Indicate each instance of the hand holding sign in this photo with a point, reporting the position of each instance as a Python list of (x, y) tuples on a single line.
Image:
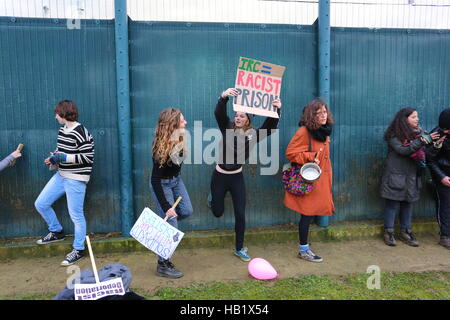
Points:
[(171, 212), (17, 153), (276, 103), (230, 92)]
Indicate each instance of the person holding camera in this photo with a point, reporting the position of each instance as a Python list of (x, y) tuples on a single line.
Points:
[(438, 160), (401, 180)]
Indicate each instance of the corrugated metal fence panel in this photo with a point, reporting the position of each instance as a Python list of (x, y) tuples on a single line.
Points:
[(187, 65), (41, 63), (375, 73)]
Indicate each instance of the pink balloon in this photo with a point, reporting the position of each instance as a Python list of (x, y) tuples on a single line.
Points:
[(260, 269)]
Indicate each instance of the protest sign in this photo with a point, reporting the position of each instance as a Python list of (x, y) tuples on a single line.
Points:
[(94, 291), (258, 84), (156, 234), (97, 290)]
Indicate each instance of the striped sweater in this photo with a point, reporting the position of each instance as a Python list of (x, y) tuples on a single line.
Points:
[(78, 144)]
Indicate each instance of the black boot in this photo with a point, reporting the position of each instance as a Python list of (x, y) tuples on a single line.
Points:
[(389, 238), (445, 242), (408, 237), (167, 269)]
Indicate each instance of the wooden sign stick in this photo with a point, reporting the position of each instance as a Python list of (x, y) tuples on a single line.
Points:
[(173, 207), (91, 255), (19, 148)]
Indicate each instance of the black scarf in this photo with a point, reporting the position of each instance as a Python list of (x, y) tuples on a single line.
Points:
[(322, 133)]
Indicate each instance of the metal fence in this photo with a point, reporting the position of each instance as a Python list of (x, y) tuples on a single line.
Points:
[(423, 14), (384, 55)]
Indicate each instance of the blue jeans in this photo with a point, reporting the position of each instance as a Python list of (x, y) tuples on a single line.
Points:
[(75, 192), (390, 211), (174, 188)]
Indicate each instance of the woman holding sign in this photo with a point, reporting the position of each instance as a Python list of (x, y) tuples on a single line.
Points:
[(311, 143), (238, 138), (166, 184)]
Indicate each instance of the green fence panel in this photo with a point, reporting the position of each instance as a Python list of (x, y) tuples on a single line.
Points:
[(41, 63)]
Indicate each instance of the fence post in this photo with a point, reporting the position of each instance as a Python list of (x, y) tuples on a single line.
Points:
[(124, 115), (324, 62)]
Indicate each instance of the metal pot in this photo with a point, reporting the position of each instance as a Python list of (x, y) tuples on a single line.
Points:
[(310, 171)]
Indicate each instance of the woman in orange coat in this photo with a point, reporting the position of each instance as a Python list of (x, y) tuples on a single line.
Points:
[(316, 124)]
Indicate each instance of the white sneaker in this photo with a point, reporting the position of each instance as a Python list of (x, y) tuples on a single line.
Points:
[(74, 256)]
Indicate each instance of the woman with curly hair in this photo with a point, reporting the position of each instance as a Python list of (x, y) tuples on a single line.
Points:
[(311, 143), (401, 180), (165, 183)]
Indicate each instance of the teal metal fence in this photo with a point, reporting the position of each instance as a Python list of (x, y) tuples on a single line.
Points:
[(187, 65), (43, 62)]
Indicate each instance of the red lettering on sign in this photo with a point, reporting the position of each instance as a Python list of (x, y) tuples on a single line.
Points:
[(240, 81)]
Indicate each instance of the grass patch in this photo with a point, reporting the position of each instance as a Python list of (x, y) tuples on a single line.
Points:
[(394, 286), (398, 286)]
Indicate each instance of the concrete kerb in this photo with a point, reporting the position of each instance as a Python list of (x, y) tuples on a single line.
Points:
[(210, 239)]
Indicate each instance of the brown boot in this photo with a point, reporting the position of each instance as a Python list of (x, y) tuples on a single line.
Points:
[(408, 237), (445, 242), (389, 238)]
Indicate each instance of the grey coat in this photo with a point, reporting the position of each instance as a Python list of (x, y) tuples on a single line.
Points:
[(401, 180), (6, 162)]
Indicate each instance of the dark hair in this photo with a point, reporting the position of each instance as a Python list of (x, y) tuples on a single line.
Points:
[(309, 118), (67, 109), (399, 127)]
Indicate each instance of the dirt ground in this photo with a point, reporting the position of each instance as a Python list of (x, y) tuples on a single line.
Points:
[(44, 275)]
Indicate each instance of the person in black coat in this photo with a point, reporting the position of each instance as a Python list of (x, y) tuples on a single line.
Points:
[(401, 181), (438, 160)]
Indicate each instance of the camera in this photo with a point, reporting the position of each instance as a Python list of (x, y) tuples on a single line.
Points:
[(426, 136)]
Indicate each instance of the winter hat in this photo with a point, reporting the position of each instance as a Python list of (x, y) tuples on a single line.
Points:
[(444, 119)]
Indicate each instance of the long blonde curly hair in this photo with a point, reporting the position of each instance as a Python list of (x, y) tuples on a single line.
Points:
[(166, 137)]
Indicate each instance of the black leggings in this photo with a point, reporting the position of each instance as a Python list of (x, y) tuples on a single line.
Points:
[(303, 228), (220, 185)]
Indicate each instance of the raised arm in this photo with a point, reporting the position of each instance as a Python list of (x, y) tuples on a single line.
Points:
[(270, 123), (221, 108)]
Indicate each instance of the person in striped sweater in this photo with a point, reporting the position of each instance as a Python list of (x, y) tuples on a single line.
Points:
[(73, 157)]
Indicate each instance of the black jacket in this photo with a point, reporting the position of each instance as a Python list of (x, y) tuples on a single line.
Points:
[(438, 159), (235, 147)]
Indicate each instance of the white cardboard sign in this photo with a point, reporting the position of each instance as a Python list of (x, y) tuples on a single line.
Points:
[(94, 291), (156, 234)]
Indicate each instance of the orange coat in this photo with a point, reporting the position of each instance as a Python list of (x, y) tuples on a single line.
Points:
[(319, 202)]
